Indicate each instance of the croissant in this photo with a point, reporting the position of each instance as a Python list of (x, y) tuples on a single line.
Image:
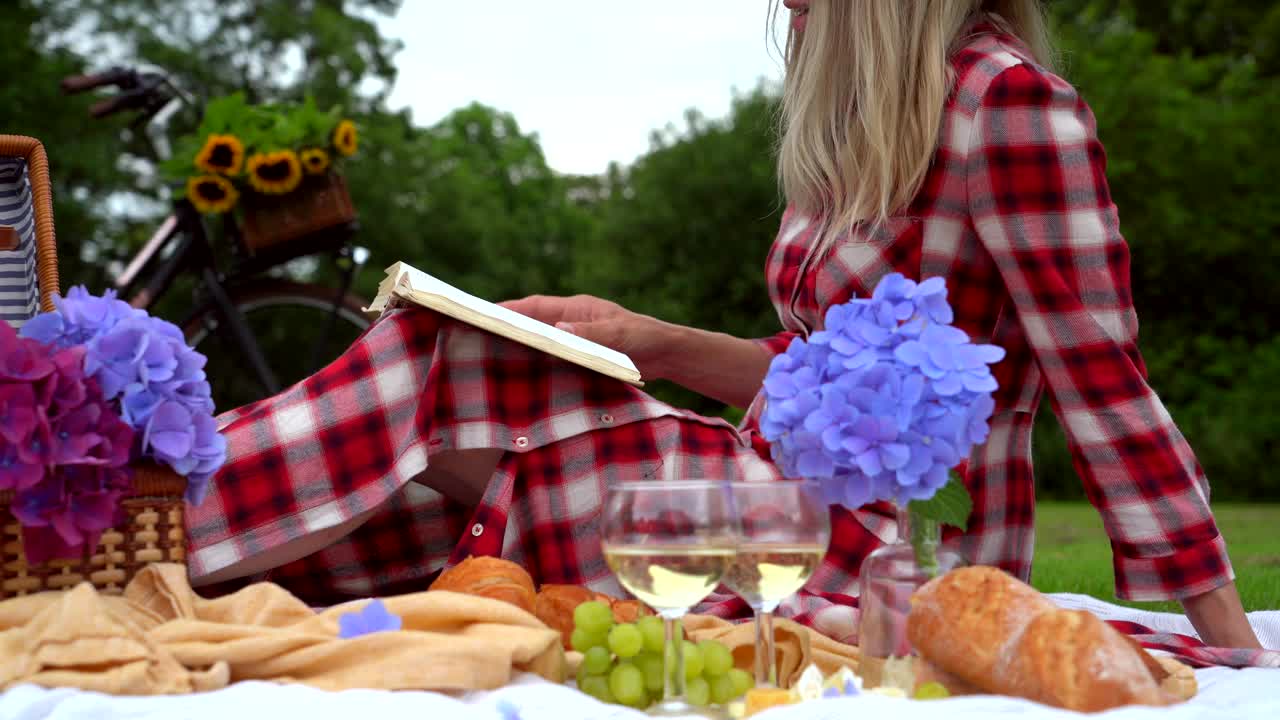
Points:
[(489, 577), (555, 604), (999, 635), (628, 611)]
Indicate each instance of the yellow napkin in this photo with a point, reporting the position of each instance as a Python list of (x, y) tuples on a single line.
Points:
[(795, 646), (160, 637)]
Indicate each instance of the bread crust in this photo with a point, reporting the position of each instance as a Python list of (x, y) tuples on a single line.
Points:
[(1072, 660), (489, 577), (963, 620), (554, 606), (999, 635)]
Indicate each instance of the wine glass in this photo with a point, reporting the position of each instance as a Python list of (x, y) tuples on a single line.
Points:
[(670, 543), (785, 530)]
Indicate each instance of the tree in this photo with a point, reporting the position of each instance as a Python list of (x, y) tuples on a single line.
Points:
[(684, 232), (1242, 29), (470, 199), (83, 163), (269, 49)]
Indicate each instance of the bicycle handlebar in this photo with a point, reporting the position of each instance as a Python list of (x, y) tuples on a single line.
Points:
[(139, 91), (119, 76), (124, 101)]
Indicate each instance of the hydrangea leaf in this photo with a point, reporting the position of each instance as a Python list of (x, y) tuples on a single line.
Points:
[(951, 505)]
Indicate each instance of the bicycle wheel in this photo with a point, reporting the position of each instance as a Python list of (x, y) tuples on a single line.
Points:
[(289, 321)]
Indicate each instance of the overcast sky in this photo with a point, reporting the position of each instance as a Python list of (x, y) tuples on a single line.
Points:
[(591, 77)]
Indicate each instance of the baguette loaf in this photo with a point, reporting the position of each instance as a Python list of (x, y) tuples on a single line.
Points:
[(963, 620), (1001, 636), (1072, 660)]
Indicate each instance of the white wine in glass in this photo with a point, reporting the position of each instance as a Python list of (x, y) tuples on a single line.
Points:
[(669, 576), (670, 544), (765, 574), (785, 531)]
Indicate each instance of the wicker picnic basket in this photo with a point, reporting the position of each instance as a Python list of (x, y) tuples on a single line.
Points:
[(152, 528)]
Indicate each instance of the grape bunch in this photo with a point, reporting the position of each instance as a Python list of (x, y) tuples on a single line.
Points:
[(622, 663)]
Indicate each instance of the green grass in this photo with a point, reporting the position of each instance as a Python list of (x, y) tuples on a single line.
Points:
[(1073, 555)]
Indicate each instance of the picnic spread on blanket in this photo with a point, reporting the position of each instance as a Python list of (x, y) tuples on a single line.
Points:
[(487, 626)]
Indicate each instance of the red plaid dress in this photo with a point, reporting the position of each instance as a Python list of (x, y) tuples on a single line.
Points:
[(1015, 213)]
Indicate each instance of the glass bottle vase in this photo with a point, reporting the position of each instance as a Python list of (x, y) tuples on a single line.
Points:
[(887, 579)]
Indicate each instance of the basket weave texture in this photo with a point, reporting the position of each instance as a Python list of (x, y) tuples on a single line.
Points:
[(153, 529), (320, 203), (152, 532)]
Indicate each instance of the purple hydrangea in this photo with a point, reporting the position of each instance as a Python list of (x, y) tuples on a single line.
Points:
[(69, 510), (145, 367), (187, 441), (63, 449), (884, 400), (80, 317)]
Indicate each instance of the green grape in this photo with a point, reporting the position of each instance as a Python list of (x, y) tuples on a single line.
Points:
[(597, 686), (742, 681), (692, 661), (582, 640), (716, 658), (626, 682), (593, 616), (625, 640), (596, 661), (932, 691), (655, 635), (697, 692), (644, 701), (651, 666), (722, 689)]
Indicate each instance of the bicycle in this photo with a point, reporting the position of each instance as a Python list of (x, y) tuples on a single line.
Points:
[(243, 317)]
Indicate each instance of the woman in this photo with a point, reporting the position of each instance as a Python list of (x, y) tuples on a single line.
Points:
[(921, 137)]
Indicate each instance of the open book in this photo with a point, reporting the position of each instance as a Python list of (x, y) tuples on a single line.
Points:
[(409, 284)]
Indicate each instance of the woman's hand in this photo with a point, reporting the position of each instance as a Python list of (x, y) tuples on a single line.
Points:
[(642, 338), (720, 366)]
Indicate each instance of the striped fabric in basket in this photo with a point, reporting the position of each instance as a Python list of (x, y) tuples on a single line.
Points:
[(19, 289)]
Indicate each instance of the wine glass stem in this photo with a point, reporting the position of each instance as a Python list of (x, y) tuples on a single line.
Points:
[(673, 662), (766, 659)]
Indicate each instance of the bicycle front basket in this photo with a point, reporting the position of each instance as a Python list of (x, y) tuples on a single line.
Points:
[(318, 204)]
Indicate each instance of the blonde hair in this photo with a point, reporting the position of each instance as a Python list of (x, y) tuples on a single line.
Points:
[(866, 82)]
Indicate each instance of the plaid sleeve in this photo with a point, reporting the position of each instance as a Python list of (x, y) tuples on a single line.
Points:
[(776, 344), (1039, 201)]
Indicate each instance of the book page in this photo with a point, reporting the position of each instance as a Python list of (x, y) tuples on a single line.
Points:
[(419, 281)]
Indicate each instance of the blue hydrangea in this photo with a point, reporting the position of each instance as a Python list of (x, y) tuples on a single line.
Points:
[(374, 617), (884, 400), (144, 365), (79, 318)]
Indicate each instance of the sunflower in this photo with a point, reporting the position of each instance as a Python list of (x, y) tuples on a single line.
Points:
[(212, 193), (345, 138), (221, 154), (314, 160), (274, 173)]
